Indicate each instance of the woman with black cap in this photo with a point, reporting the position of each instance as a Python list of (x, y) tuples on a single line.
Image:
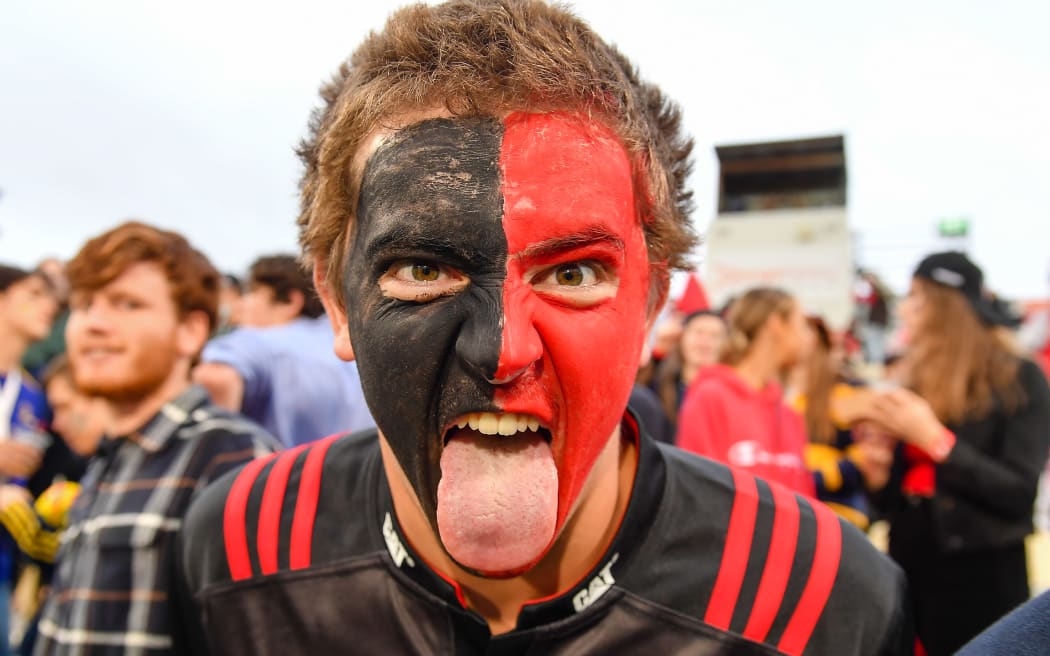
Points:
[(974, 424)]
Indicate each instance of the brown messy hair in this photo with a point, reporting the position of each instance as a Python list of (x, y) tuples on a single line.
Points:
[(483, 57), (283, 274), (958, 364), (194, 281)]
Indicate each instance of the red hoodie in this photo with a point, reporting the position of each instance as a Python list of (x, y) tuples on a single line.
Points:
[(724, 419)]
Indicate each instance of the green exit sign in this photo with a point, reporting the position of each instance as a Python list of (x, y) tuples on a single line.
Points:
[(953, 227)]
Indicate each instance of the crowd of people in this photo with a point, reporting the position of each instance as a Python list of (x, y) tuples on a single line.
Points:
[(459, 423), (947, 444)]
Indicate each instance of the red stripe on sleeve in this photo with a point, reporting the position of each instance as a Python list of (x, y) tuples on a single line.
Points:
[(778, 564), (821, 580), (306, 504), (270, 510), (735, 552), (234, 527)]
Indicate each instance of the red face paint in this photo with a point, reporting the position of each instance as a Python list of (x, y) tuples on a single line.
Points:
[(568, 197)]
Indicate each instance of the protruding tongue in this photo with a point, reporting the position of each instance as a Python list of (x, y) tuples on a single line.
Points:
[(497, 500)]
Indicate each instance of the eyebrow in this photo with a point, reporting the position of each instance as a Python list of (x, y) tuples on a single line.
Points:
[(587, 237), (404, 239)]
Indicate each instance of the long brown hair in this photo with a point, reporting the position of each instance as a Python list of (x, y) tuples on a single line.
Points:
[(746, 317), (668, 374), (821, 376), (958, 364)]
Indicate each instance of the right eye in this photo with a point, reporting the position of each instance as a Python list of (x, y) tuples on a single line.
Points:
[(421, 281), (420, 272)]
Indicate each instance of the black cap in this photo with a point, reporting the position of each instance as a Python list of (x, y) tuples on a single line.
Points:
[(953, 269)]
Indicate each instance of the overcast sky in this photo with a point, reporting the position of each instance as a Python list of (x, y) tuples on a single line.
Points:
[(186, 114)]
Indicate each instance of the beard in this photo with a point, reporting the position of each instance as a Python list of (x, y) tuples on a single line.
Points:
[(148, 371)]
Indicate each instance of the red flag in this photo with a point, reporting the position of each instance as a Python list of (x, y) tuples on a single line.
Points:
[(694, 297)]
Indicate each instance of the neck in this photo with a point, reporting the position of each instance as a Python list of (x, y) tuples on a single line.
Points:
[(12, 347), (584, 539), (759, 367), (689, 372), (130, 414), (796, 381)]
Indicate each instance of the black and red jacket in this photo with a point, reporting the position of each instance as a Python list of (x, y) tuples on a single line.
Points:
[(301, 553)]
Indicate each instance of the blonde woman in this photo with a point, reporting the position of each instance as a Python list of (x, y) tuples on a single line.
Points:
[(734, 412), (974, 422)]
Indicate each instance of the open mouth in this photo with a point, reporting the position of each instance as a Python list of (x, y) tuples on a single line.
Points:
[(502, 424), (497, 496)]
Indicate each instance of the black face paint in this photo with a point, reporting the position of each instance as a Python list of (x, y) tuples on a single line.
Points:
[(429, 194)]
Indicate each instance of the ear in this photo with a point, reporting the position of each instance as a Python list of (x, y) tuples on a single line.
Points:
[(294, 304), (336, 313), (191, 334), (775, 325)]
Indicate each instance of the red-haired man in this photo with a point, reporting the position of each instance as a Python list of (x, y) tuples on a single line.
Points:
[(143, 303)]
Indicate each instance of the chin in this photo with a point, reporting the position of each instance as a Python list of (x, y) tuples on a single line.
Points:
[(111, 389)]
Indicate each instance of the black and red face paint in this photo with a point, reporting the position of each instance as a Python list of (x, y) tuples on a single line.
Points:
[(498, 279)]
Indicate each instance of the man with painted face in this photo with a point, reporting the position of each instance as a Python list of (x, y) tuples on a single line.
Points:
[(492, 202)]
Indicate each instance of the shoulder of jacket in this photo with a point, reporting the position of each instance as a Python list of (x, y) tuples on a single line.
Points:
[(778, 568)]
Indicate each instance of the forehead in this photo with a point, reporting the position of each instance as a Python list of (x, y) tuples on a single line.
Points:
[(541, 175), (564, 174), (438, 168), (32, 282), (705, 322), (138, 279)]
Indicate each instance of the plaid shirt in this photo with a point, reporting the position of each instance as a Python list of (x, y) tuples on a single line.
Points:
[(111, 592)]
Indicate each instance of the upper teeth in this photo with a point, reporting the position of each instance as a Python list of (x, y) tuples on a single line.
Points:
[(491, 423)]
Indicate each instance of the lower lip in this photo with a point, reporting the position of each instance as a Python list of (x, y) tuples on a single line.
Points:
[(98, 356)]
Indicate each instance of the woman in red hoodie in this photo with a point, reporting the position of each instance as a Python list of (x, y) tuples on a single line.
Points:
[(734, 412)]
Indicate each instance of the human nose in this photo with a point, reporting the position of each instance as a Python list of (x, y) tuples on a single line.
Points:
[(521, 345), (93, 316), (500, 342), (478, 342)]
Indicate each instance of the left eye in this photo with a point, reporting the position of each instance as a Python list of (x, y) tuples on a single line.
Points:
[(574, 274)]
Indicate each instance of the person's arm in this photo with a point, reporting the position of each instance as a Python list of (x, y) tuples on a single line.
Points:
[(223, 382), (1005, 484), (1008, 483), (235, 368), (1023, 632), (19, 459)]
